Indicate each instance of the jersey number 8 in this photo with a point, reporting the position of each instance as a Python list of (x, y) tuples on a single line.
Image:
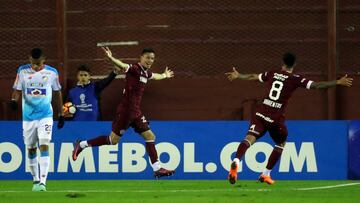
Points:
[(275, 90)]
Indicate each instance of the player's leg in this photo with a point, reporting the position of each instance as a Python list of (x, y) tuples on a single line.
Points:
[(101, 140), (141, 126), (279, 135), (256, 130), (30, 140), (45, 134), (119, 126)]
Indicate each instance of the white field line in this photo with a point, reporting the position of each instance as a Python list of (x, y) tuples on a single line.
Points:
[(328, 187), (143, 191), (175, 191)]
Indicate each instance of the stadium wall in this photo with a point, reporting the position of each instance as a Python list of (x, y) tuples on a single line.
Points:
[(200, 40), (197, 150)]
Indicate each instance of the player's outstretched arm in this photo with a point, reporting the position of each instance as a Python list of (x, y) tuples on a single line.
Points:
[(344, 81), (236, 75), (123, 66), (166, 74)]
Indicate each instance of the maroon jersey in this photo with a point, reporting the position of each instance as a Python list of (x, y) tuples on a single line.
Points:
[(136, 79), (280, 85)]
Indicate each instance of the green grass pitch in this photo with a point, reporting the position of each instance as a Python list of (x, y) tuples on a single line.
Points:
[(184, 191)]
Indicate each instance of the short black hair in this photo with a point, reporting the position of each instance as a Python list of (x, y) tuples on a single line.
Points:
[(147, 50), (36, 53), (289, 59), (83, 68)]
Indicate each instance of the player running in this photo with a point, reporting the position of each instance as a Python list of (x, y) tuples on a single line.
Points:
[(128, 112), (269, 116), (36, 81)]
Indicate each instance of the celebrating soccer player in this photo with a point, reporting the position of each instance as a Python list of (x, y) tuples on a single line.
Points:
[(269, 116), (35, 81), (128, 111)]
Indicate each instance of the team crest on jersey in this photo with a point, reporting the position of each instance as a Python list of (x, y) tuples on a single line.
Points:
[(45, 78)]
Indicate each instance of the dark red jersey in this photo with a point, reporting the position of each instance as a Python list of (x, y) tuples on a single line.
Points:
[(136, 79), (280, 85)]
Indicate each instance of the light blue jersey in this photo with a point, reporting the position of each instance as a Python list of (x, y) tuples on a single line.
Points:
[(37, 87)]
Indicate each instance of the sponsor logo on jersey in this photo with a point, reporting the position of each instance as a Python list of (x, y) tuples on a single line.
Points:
[(280, 76), (143, 79), (264, 117), (36, 92)]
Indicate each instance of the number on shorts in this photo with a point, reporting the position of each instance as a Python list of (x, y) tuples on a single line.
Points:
[(143, 119), (252, 127), (276, 90), (48, 128)]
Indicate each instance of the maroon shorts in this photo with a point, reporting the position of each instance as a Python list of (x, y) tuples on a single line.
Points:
[(123, 121), (260, 124)]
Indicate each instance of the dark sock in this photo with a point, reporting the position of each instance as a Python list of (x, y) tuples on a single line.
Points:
[(243, 146), (150, 148), (98, 141), (274, 157)]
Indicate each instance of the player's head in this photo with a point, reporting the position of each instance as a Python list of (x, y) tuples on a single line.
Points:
[(83, 74), (289, 60), (37, 58), (147, 57)]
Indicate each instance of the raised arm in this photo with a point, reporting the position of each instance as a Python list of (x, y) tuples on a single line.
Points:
[(236, 75), (344, 81), (102, 84), (123, 66), (166, 74)]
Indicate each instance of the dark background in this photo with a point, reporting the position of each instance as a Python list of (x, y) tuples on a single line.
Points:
[(200, 40)]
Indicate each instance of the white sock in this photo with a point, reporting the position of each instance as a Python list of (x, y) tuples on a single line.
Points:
[(84, 144), (44, 168), (237, 161), (34, 168), (156, 166), (266, 172)]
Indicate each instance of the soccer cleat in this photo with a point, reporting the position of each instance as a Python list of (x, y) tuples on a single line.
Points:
[(163, 172), (232, 177), (267, 179), (77, 150), (42, 187), (35, 187)]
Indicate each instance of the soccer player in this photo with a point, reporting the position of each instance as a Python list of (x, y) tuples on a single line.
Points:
[(36, 81), (269, 116), (128, 112)]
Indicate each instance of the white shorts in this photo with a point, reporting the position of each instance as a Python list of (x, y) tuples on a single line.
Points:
[(38, 131)]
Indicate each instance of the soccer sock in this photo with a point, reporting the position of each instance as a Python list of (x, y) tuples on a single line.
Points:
[(266, 172), (274, 157), (237, 161), (151, 150), (243, 146), (44, 166), (34, 166), (84, 144), (156, 166), (98, 141)]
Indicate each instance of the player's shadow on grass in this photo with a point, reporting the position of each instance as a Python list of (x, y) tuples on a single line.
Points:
[(75, 195)]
